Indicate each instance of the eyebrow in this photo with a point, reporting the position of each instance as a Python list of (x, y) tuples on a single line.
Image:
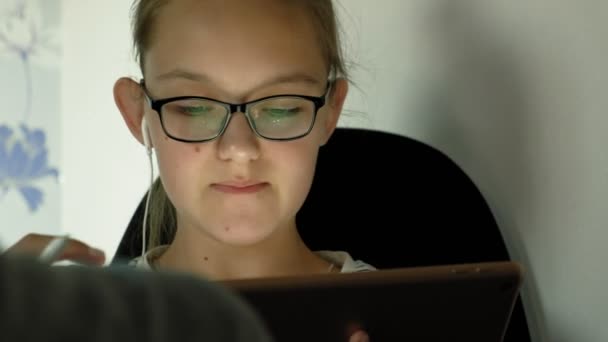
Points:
[(296, 77)]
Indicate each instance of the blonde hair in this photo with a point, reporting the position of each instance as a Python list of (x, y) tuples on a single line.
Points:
[(163, 220)]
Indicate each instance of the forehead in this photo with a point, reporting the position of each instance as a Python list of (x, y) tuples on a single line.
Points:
[(235, 40)]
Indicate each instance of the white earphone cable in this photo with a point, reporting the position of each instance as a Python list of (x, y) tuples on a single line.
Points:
[(148, 195)]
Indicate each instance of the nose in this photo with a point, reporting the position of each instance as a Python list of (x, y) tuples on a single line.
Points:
[(238, 142)]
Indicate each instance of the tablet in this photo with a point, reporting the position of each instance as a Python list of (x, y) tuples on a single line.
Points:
[(466, 302)]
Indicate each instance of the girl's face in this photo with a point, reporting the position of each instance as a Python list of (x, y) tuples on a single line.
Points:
[(239, 188)]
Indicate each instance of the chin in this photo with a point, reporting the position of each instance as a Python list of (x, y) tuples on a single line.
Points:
[(243, 235)]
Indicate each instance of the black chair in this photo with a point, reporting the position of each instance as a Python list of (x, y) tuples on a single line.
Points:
[(393, 202)]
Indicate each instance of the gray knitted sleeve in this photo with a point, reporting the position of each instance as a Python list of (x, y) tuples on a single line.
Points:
[(72, 303)]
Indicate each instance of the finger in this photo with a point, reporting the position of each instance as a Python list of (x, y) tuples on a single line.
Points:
[(75, 250), (352, 328), (359, 336), (78, 251), (32, 244)]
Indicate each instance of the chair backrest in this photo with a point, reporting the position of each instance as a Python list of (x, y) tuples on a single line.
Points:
[(391, 201)]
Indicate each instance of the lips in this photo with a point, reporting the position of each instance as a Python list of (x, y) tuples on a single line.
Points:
[(239, 187)]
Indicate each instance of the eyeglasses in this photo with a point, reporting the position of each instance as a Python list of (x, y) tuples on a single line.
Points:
[(194, 119)]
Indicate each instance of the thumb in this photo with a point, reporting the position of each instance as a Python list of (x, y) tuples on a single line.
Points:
[(359, 336)]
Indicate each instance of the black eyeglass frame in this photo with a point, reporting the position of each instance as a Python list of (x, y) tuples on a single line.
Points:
[(231, 108)]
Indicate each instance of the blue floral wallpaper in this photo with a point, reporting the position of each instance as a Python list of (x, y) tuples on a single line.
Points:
[(29, 117)]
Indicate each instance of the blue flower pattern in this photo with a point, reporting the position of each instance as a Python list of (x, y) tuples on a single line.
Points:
[(23, 161), (23, 151)]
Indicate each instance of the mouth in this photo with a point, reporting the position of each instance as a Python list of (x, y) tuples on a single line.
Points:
[(239, 188)]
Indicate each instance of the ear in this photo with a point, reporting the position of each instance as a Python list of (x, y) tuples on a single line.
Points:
[(129, 99), (337, 96)]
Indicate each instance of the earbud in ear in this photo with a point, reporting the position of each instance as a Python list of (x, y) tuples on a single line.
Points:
[(146, 135)]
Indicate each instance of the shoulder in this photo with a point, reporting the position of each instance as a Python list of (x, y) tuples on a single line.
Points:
[(345, 261)]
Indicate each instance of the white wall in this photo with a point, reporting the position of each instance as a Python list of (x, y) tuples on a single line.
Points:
[(105, 170), (514, 91)]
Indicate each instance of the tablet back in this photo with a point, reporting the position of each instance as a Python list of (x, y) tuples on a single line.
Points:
[(471, 302)]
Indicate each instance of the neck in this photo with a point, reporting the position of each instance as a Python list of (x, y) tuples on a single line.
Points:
[(283, 253)]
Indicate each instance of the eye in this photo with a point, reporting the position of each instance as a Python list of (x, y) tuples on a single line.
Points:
[(194, 110), (276, 112)]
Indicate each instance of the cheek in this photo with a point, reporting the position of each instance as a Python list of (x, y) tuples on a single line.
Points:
[(178, 164), (324, 126), (297, 165), (324, 119)]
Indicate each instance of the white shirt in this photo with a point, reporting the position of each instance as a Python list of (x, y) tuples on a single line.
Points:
[(339, 258)]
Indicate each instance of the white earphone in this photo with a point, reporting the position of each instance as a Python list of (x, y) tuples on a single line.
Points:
[(146, 136)]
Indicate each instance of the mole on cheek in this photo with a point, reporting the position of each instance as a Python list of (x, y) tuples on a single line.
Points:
[(197, 149), (227, 228), (206, 259)]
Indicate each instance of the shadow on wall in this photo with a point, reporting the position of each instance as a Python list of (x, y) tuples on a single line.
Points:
[(481, 115)]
